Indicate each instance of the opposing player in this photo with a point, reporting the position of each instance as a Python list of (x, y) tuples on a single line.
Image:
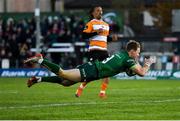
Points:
[(96, 31), (117, 63)]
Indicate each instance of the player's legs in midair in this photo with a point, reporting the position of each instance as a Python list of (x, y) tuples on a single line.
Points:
[(72, 75)]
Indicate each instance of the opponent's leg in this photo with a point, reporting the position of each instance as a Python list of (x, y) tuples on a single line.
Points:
[(104, 85), (80, 89)]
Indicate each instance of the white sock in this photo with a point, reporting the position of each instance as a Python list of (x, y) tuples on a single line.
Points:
[(103, 92), (40, 60), (39, 79)]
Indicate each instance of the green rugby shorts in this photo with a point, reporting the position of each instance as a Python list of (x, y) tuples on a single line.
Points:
[(88, 72)]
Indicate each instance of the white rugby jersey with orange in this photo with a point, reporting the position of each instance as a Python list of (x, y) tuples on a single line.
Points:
[(99, 41)]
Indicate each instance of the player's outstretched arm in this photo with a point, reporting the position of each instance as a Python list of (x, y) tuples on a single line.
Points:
[(142, 70)]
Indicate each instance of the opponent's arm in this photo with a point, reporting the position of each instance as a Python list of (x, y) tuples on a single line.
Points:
[(88, 35), (88, 31)]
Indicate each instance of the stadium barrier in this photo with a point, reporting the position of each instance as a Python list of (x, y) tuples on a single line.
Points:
[(152, 74), (62, 47)]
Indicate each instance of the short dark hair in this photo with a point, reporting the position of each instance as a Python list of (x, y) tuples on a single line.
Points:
[(132, 45)]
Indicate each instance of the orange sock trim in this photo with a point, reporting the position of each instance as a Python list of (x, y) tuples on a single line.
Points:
[(103, 86)]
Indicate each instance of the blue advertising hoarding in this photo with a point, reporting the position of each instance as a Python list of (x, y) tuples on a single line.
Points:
[(152, 74), (24, 72)]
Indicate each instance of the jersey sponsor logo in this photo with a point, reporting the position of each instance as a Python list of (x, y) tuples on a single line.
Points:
[(104, 27)]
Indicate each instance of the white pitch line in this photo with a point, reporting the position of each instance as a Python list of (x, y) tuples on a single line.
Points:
[(89, 103), (168, 100), (53, 105), (8, 92)]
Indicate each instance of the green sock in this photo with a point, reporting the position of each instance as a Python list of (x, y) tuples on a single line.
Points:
[(57, 79), (52, 79), (51, 66)]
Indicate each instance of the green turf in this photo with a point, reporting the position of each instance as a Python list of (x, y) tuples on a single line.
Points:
[(128, 99)]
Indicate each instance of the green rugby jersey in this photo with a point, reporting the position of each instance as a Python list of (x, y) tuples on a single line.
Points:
[(115, 64)]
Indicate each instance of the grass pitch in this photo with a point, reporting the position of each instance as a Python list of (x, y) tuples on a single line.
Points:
[(127, 100)]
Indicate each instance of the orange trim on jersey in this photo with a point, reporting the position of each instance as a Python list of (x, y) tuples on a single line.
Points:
[(98, 43)]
